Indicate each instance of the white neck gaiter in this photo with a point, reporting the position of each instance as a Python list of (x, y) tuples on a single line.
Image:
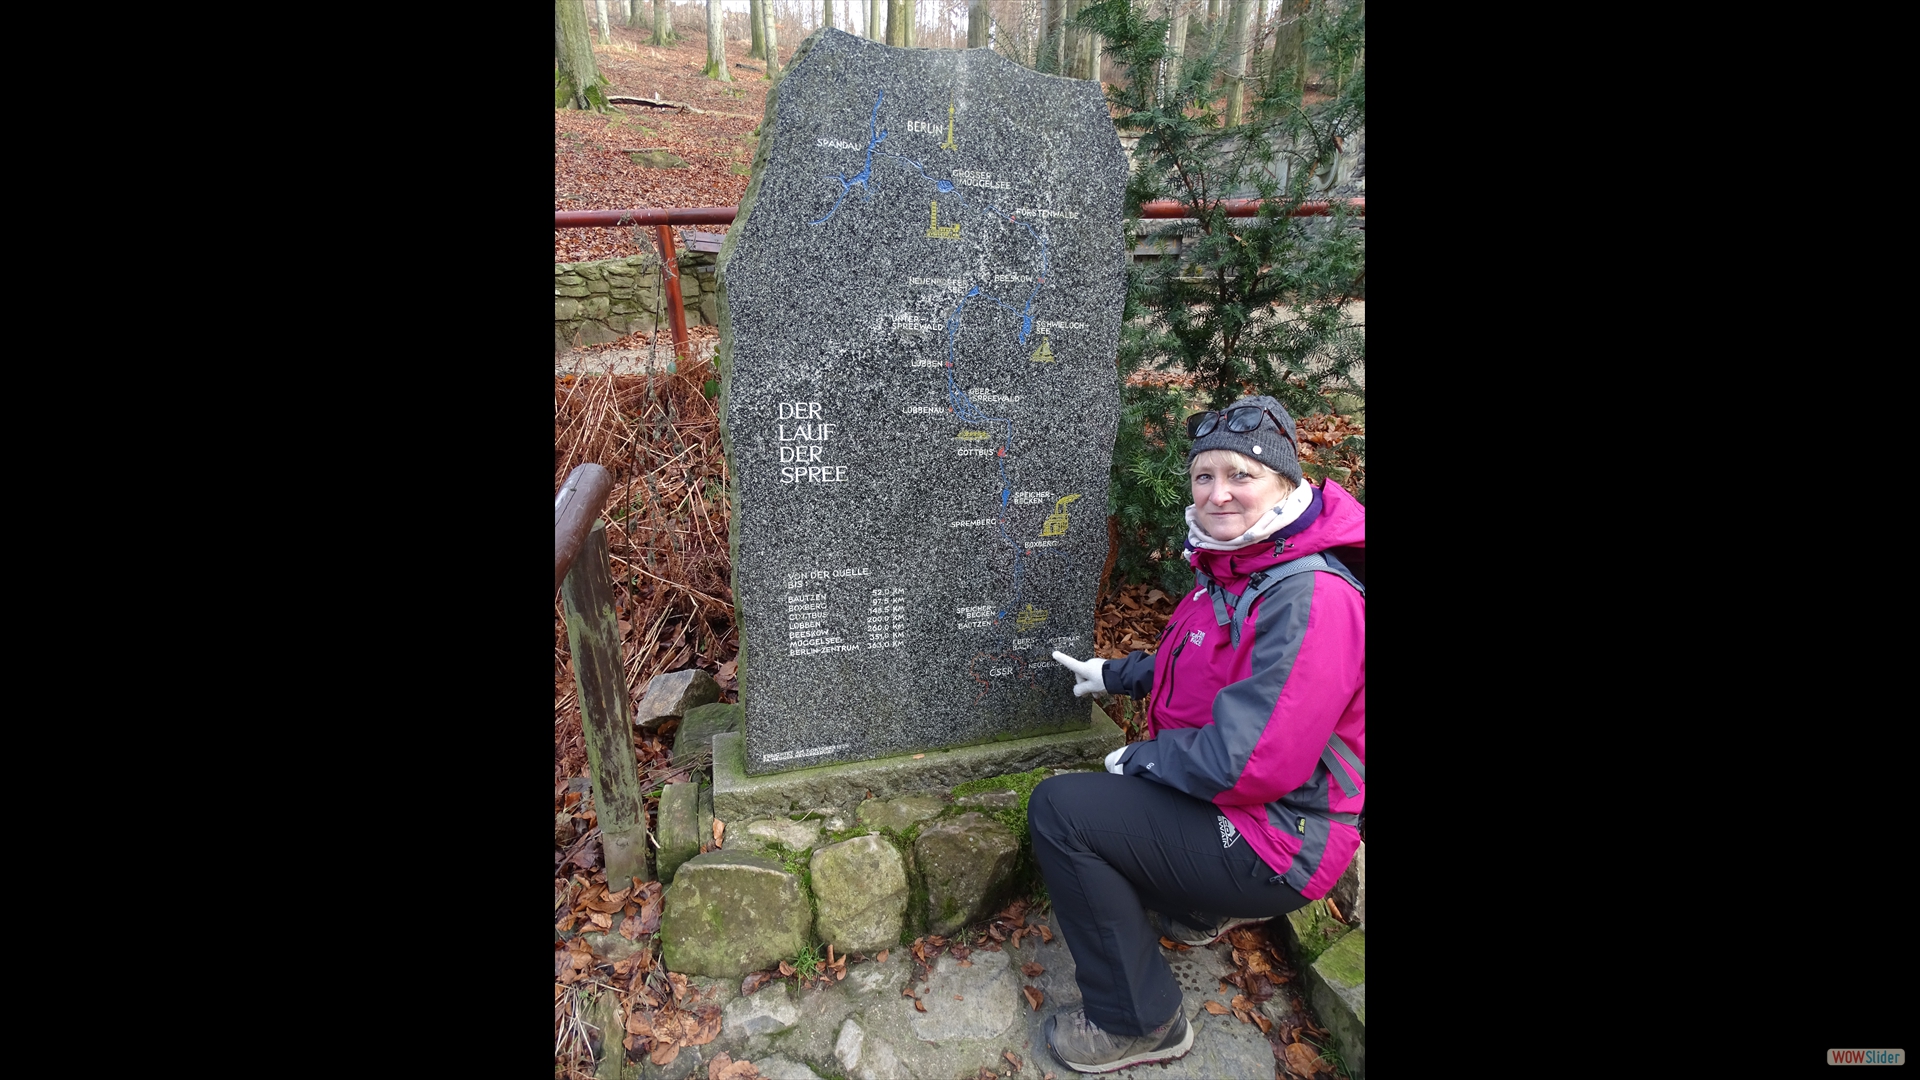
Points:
[(1271, 522)]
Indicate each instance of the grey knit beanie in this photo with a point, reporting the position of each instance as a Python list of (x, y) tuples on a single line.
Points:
[(1274, 449)]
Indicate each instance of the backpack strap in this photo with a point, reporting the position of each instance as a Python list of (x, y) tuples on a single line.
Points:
[(1261, 582), (1337, 751)]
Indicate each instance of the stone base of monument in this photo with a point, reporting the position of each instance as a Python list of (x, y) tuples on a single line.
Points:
[(839, 789)]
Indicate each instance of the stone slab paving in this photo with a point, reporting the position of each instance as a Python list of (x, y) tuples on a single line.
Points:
[(865, 1028)]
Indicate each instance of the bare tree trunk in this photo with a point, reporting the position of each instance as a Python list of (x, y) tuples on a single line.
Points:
[(577, 83), (633, 14), (1052, 35), (1256, 66), (759, 32), (1290, 45), (606, 33), (1093, 43), (773, 39), (1239, 23), (977, 20), (1176, 47), (1070, 49), (913, 23), (716, 44), (662, 24), (826, 12), (896, 21)]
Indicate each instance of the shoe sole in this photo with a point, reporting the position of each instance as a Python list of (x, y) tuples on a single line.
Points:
[(1232, 924), (1166, 1053)]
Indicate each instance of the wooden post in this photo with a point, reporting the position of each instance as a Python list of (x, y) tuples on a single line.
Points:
[(606, 716)]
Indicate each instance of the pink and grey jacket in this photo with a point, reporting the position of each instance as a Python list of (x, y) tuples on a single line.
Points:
[(1247, 726)]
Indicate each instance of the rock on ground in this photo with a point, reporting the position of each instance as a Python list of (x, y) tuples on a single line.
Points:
[(966, 861), (729, 913), (860, 890), (671, 694)]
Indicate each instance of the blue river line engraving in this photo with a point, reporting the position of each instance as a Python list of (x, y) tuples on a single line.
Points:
[(964, 407)]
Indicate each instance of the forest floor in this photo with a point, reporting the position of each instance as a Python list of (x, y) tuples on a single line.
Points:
[(657, 435)]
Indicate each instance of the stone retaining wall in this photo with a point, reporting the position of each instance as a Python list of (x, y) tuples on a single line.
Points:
[(598, 302), (863, 883)]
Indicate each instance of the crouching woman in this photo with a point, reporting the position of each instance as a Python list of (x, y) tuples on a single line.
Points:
[(1244, 801)]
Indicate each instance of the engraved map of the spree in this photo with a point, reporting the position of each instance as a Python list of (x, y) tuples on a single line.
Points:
[(922, 302)]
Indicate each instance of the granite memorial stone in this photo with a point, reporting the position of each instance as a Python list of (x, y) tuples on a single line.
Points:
[(922, 302)]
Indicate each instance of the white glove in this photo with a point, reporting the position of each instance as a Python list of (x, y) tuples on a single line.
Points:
[(1113, 759), (1091, 674)]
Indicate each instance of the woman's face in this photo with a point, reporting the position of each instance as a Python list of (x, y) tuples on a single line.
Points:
[(1227, 501)]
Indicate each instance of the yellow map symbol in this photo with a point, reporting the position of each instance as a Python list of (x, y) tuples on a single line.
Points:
[(1029, 617), (949, 144), (939, 231), (1043, 354), (1056, 522)]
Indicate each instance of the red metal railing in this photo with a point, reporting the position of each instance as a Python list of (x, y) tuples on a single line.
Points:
[(662, 217)]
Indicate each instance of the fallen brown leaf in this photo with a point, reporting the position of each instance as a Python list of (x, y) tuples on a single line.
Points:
[(1303, 1060), (1031, 970), (786, 968), (719, 830), (1266, 1025), (706, 1026), (1046, 934), (754, 981), (1169, 943), (1034, 996), (882, 958), (1011, 1060), (1214, 1007), (653, 897), (919, 1006)]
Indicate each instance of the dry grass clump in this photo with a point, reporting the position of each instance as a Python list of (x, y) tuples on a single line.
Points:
[(658, 437)]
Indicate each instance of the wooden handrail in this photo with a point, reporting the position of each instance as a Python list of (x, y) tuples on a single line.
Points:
[(574, 511)]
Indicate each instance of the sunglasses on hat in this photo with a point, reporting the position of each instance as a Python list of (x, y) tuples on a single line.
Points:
[(1240, 420)]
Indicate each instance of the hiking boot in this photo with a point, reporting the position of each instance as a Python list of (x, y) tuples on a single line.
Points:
[(1193, 928), (1081, 1046)]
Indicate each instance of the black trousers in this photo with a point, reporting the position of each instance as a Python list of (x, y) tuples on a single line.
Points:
[(1111, 846)]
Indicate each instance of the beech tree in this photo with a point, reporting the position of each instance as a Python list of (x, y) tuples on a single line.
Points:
[(716, 44), (977, 24), (1239, 23), (874, 31), (576, 80), (826, 12), (662, 24), (773, 40), (756, 30), (606, 28)]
